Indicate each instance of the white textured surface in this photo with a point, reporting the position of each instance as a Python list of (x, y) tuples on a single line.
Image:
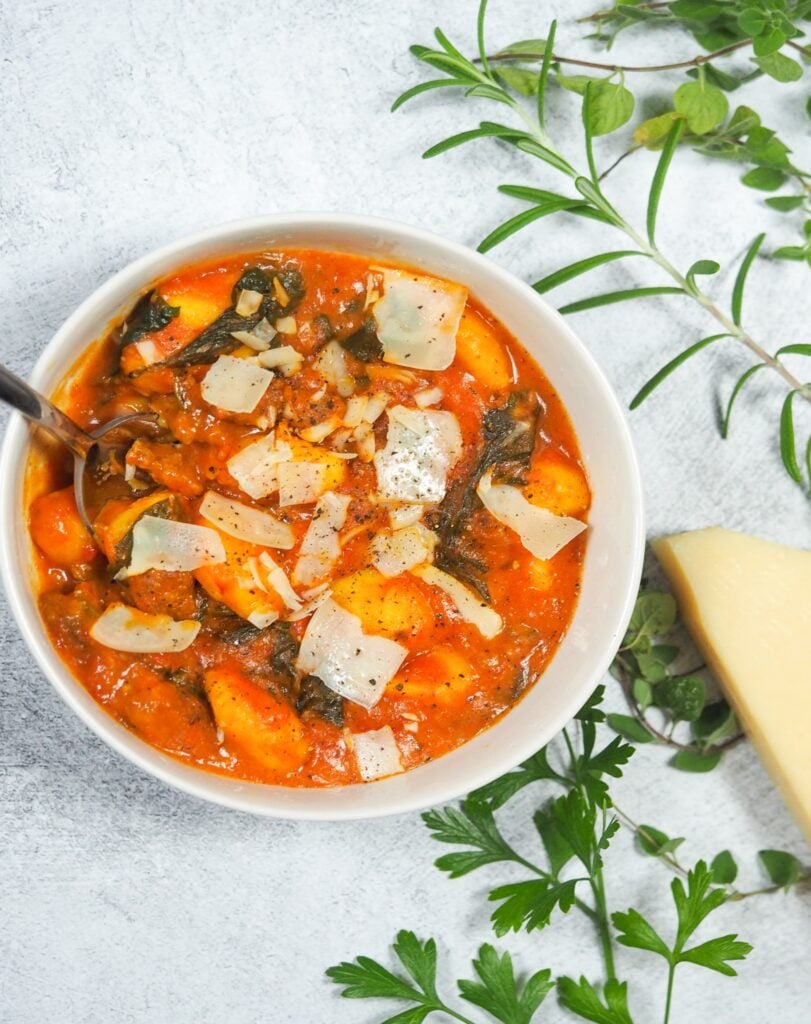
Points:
[(127, 126)]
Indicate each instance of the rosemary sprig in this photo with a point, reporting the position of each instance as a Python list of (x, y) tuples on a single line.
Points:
[(606, 105)]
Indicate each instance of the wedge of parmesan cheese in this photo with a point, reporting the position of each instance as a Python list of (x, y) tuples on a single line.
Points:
[(354, 664), (128, 629), (417, 319), (421, 449), (235, 385), (468, 603), (172, 547), (246, 523), (396, 551), (747, 603), (376, 753), (541, 531), (321, 546)]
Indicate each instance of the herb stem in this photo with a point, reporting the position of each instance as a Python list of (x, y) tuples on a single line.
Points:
[(671, 971), (694, 62), (602, 921)]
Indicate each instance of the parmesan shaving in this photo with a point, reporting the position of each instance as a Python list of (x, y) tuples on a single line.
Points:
[(246, 523), (236, 385), (248, 302), (352, 663), (469, 605), (255, 468), (541, 531), (397, 552), (172, 547), (319, 431), (417, 319), (421, 449), (321, 547), (301, 482), (283, 357), (122, 628), (376, 753), (277, 578)]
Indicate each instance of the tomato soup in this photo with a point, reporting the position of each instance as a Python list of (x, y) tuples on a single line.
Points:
[(350, 539)]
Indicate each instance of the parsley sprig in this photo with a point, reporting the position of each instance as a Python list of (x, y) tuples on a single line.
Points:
[(575, 824), (699, 109)]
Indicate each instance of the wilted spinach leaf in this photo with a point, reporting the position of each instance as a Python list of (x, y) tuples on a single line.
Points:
[(285, 650), (509, 440), (150, 313), (315, 698), (364, 344)]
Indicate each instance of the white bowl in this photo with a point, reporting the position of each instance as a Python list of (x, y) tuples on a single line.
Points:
[(613, 555)]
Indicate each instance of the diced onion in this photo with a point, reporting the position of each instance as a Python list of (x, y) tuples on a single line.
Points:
[(469, 605), (122, 628), (248, 302), (259, 338), (281, 357), (281, 293), (236, 385), (301, 482), (376, 753), (431, 396), (352, 663), (318, 431), (148, 351), (331, 363), (542, 532), (246, 523), (375, 407), (286, 325), (354, 410), (172, 547), (321, 546), (405, 515), (262, 619)]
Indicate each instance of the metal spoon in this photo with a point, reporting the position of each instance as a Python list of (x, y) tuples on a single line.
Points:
[(91, 449)]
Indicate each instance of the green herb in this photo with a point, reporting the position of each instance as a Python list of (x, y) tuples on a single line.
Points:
[(150, 313), (565, 874), (698, 115), (661, 697)]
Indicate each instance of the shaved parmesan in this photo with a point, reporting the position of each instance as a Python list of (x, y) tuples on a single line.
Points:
[(128, 629), (301, 482), (262, 619), (248, 302), (148, 351), (277, 578), (350, 662), (246, 523), (311, 605), (405, 515), (255, 467), (417, 319), (172, 547), (397, 552), (376, 753), (321, 547), (469, 605), (541, 531), (236, 385), (421, 449)]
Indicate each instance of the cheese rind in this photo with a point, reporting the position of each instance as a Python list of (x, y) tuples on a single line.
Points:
[(747, 604)]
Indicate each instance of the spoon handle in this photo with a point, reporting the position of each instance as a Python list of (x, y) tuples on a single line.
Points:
[(21, 396)]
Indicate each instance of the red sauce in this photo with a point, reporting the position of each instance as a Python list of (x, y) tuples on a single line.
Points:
[(228, 703)]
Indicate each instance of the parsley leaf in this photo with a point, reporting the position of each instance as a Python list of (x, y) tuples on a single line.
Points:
[(498, 992), (583, 999), (534, 769), (530, 904), (472, 825)]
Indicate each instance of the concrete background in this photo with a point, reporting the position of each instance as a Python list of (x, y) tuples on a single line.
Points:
[(131, 124)]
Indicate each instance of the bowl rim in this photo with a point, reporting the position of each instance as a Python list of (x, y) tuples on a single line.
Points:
[(236, 794)]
